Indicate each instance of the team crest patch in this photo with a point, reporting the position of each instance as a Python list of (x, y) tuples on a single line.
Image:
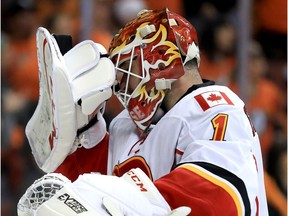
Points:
[(211, 99)]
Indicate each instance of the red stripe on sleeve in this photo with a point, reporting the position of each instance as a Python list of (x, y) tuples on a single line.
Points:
[(86, 161), (182, 187)]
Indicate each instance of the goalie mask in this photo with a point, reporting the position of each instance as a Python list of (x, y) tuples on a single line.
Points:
[(149, 53)]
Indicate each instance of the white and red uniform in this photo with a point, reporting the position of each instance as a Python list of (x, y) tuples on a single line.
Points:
[(203, 153)]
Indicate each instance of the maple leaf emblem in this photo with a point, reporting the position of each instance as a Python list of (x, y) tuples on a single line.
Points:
[(213, 97)]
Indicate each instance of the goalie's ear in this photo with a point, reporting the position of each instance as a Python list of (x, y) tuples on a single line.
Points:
[(64, 42)]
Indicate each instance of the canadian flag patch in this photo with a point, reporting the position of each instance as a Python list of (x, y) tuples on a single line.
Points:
[(211, 99)]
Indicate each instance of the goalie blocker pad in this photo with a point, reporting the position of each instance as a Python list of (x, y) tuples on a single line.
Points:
[(80, 75), (96, 194), (132, 194)]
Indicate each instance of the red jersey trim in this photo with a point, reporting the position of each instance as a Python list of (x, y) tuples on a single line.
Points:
[(130, 163), (177, 151), (218, 182)]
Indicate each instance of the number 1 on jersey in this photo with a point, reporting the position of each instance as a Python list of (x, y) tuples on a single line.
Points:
[(219, 123)]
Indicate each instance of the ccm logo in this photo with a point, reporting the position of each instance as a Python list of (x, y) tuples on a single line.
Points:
[(137, 181)]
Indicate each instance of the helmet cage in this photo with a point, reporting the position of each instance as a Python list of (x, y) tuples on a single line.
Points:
[(125, 96), (144, 101)]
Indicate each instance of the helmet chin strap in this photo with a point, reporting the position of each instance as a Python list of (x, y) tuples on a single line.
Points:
[(162, 84)]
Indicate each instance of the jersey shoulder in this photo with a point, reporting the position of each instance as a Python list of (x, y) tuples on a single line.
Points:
[(206, 101)]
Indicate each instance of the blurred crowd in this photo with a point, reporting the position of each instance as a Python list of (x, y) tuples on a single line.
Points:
[(216, 23)]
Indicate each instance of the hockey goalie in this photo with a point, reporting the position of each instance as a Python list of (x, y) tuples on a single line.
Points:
[(68, 106), (201, 157)]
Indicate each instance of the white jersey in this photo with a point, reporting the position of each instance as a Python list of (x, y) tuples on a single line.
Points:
[(208, 129)]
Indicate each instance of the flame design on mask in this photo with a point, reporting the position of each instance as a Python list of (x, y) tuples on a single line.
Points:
[(173, 50), (142, 92), (127, 48), (142, 116)]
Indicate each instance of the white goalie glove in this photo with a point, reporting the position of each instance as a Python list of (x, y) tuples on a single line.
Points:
[(94, 194), (72, 87)]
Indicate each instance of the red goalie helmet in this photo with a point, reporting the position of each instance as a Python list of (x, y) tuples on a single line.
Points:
[(149, 53)]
